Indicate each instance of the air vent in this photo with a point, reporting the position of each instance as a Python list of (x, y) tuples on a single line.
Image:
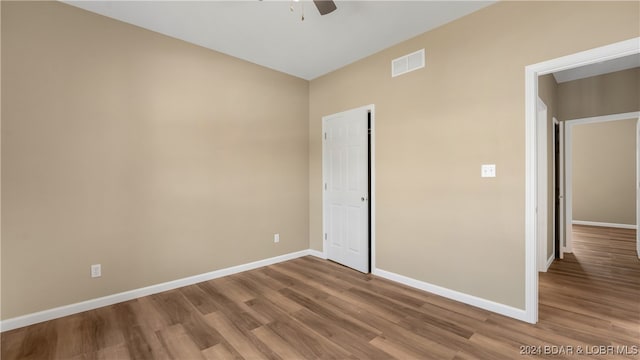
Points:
[(407, 63)]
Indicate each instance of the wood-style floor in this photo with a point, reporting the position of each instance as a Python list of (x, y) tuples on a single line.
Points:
[(310, 308)]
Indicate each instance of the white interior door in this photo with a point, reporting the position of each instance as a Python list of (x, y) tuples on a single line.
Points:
[(346, 188)]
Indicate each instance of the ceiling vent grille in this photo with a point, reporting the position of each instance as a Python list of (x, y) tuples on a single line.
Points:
[(407, 63)]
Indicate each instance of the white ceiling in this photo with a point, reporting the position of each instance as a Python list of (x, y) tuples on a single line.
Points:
[(269, 34), (605, 67)]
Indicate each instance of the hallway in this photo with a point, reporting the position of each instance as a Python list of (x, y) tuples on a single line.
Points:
[(595, 291)]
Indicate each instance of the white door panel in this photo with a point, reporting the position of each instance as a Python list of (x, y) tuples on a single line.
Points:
[(346, 152)]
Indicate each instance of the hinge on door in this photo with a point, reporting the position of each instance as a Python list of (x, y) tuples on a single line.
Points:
[(325, 136), (325, 186), (325, 236)]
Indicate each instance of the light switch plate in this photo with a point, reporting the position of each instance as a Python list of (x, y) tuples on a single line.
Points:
[(96, 270), (488, 170)]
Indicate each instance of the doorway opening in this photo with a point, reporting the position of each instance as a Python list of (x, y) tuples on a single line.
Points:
[(348, 201), (570, 128), (532, 72)]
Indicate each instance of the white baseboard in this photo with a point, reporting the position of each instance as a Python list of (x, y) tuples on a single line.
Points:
[(29, 319), (549, 261), (489, 305), (603, 224), (316, 253)]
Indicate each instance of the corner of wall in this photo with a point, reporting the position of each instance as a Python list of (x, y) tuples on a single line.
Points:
[(309, 168)]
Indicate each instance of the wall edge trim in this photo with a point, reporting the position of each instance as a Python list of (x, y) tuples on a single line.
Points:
[(604, 224), (66, 310), (502, 309), (549, 262)]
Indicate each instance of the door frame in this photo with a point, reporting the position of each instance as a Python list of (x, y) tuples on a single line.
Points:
[(372, 181), (558, 176), (542, 208), (532, 72)]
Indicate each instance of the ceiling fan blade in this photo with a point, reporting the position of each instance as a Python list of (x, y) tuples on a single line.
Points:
[(325, 6)]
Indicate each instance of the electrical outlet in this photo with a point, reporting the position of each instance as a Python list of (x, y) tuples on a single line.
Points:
[(276, 238), (488, 170), (96, 270)]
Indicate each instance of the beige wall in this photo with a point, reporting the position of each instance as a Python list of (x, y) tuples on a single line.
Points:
[(437, 220), (613, 93), (156, 158), (604, 172), (548, 93)]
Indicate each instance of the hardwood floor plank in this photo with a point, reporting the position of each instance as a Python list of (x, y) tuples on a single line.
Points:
[(203, 335), (39, 342), (499, 347), (383, 304), (235, 291), (137, 342), (394, 350), (178, 310), (315, 280), (392, 293), (392, 331), (147, 312), (241, 339), (337, 270), (499, 326), (230, 308), (279, 346), (141, 332), (446, 306), (257, 282), (173, 306), (307, 342), (356, 321), (266, 280), (178, 343), (339, 319), (220, 351), (299, 268), (449, 325), (198, 298), (70, 338), (268, 309), (106, 329), (353, 342), (12, 342), (99, 330), (120, 352)]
